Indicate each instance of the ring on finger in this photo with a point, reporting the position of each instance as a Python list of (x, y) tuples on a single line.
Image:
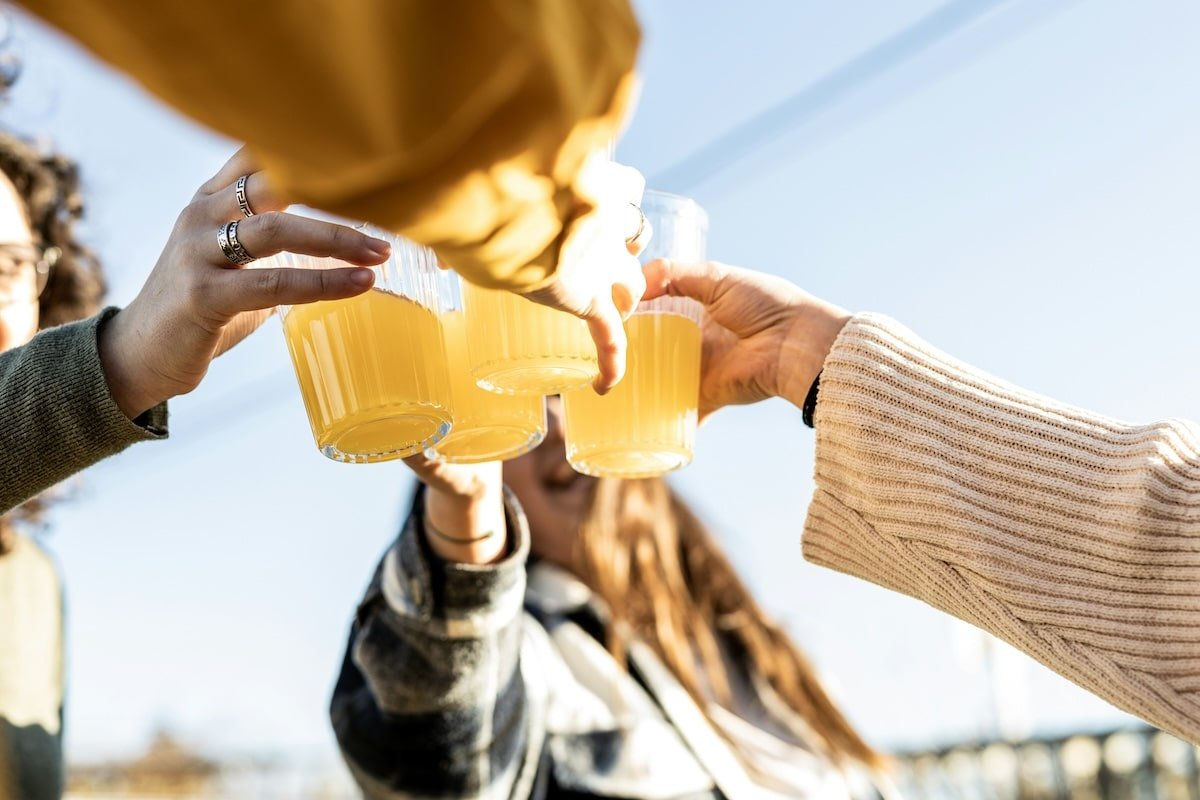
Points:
[(243, 202), (641, 228), (227, 239)]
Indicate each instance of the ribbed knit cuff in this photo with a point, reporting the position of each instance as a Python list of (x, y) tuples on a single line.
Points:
[(1072, 536)]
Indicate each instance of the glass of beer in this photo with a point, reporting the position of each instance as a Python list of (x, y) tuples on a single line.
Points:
[(646, 426), (487, 426), (520, 347), (372, 368)]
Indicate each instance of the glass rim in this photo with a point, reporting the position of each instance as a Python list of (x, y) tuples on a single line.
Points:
[(679, 204), (684, 307)]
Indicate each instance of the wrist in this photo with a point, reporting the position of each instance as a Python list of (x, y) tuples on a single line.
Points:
[(467, 528), (131, 388), (807, 345)]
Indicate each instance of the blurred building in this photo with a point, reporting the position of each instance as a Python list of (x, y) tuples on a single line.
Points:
[(169, 770), (166, 769), (1132, 764)]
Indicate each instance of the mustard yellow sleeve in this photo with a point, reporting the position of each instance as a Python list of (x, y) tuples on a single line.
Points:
[(459, 123)]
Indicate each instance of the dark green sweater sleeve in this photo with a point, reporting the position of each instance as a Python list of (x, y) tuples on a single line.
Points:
[(58, 416)]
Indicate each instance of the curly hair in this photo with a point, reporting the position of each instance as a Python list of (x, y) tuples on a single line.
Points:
[(48, 186)]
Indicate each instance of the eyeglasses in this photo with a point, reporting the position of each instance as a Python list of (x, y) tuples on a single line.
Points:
[(15, 255)]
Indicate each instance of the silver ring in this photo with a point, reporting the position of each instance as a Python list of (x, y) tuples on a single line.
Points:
[(641, 224), (230, 246), (239, 189)]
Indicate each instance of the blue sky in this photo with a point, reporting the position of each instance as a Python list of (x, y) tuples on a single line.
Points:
[(1022, 193)]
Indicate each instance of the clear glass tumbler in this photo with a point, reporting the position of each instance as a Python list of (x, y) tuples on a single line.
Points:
[(487, 426), (518, 346), (646, 426), (372, 368)]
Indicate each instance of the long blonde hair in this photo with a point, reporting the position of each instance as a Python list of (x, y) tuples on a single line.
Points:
[(662, 575)]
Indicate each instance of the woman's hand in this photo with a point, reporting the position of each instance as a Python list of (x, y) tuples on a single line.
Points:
[(464, 508), (599, 278), (196, 304), (763, 336)]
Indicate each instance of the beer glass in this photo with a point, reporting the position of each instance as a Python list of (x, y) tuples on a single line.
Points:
[(487, 426), (518, 346), (646, 426), (372, 368)]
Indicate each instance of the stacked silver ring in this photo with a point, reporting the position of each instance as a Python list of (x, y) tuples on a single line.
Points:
[(230, 246), (243, 202)]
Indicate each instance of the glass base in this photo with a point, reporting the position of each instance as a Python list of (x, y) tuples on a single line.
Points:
[(498, 443), (646, 461), (536, 376), (385, 438)]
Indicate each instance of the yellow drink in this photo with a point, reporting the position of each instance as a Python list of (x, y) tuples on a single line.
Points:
[(646, 425), (372, 371), (487, 426), (520, 347)]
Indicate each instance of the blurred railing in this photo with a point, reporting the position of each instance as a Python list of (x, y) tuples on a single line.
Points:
[(1127, 764)]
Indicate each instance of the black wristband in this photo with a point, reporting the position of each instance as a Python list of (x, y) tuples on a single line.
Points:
[(810, 402)]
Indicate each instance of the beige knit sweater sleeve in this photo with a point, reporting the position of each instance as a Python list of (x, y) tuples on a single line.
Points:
[(1074, 537), (58, 416)]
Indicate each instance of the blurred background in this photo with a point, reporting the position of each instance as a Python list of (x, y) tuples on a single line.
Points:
[(1017, 180)]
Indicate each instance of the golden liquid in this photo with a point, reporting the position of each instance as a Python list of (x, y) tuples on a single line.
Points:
[(646, 426), (487, 426), (520, 347), (372, 371)]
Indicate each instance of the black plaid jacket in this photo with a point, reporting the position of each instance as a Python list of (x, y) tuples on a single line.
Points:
[(465, 681)]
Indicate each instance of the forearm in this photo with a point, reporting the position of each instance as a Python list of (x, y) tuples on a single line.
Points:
[(431, 695), (59, 415), (1070, 535)]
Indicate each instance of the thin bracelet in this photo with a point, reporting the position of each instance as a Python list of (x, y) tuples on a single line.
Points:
[(810, 402), (459, 540)]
